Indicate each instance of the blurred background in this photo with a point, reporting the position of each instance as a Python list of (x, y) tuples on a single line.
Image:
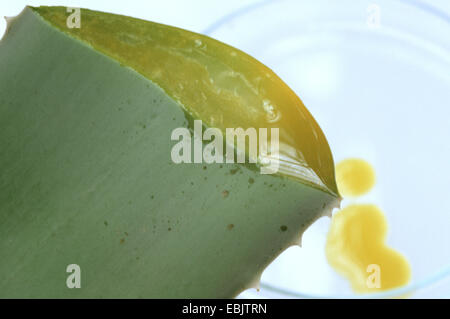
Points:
[(376, 76)]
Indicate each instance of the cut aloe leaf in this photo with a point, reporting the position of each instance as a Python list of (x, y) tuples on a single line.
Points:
[(86, 172)]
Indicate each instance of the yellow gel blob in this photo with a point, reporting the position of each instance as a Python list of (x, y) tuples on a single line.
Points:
[(356, 242), (354, 177), (356, 249)]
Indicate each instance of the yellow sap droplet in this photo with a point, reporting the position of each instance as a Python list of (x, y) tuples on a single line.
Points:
[(354, 177), (356, 242), (356, 249)]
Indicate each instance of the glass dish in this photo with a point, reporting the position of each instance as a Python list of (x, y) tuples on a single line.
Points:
[(376, 76)]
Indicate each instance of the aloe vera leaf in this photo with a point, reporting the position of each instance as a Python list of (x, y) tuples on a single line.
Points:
[(86, 178)]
